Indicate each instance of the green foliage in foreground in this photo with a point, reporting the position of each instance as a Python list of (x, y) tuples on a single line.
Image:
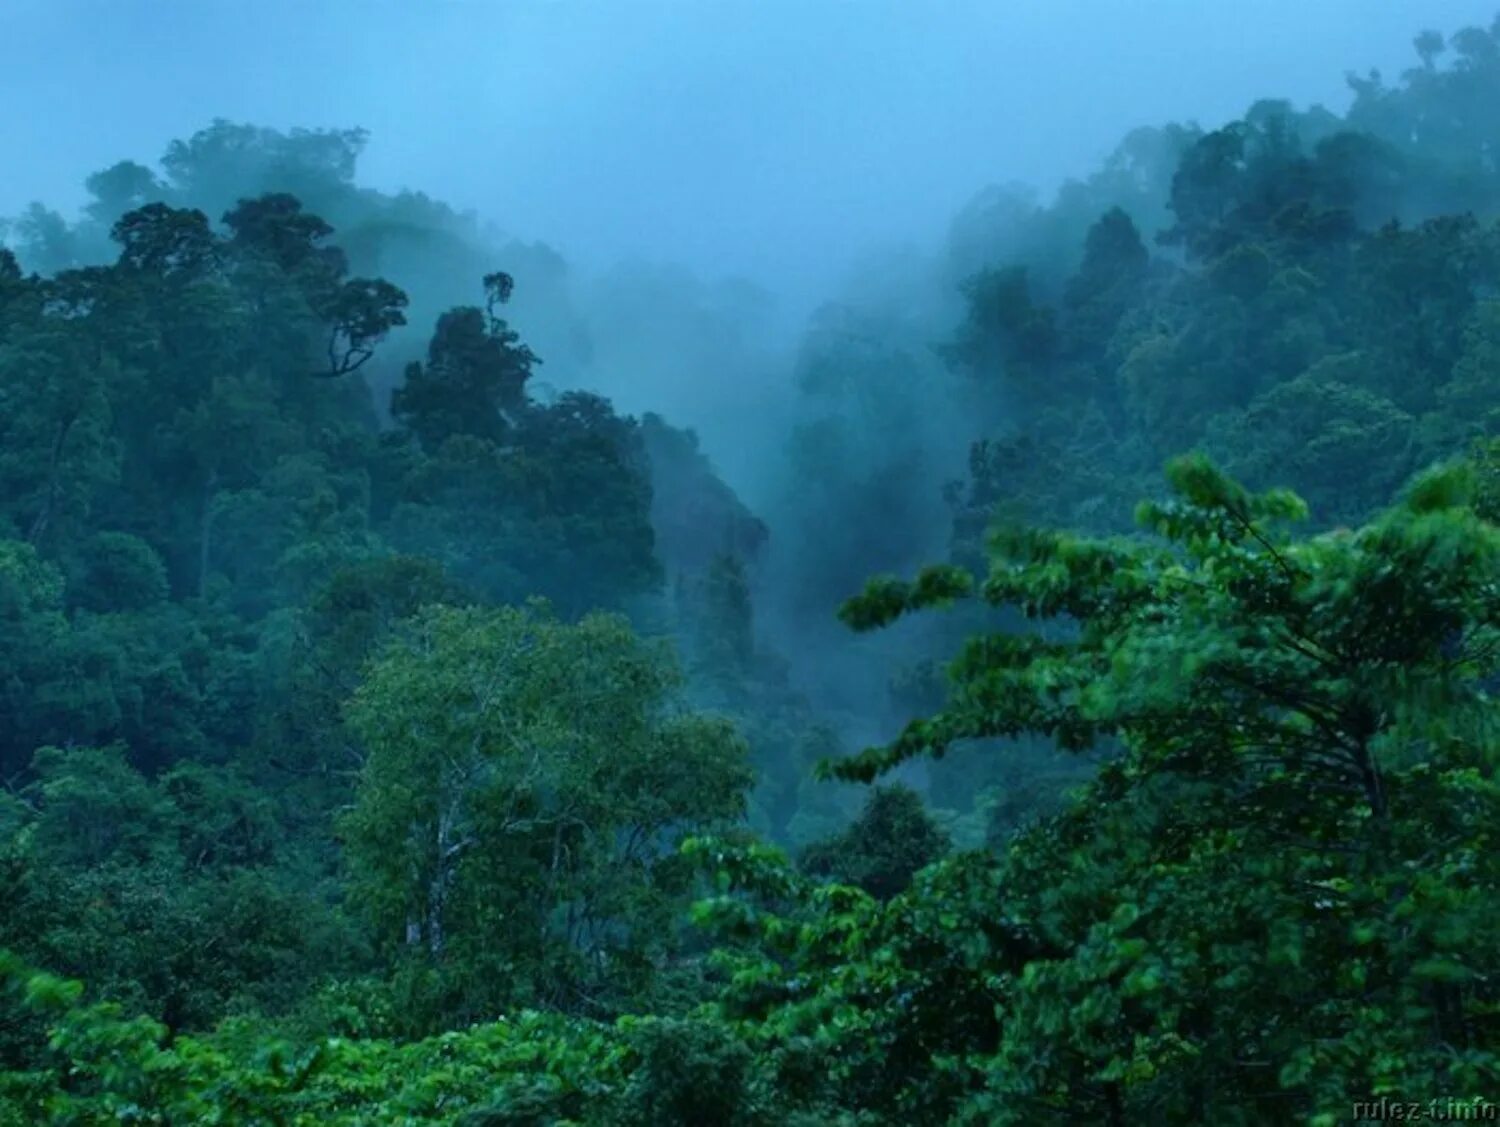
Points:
[(115, 1068), (529, 1068), (1282, 888)]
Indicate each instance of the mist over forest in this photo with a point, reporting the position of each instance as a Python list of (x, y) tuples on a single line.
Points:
[(848, 564)]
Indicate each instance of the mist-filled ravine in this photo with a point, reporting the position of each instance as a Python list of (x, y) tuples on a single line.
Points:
[(791, 643)]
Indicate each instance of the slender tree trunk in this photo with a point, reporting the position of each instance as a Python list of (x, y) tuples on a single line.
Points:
[(413, 915), (436, 895), (437, 889)]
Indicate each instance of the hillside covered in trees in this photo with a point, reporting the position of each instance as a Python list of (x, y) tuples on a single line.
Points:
[(1097, 723)]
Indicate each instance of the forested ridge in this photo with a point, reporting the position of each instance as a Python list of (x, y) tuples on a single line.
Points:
[(388, 735)]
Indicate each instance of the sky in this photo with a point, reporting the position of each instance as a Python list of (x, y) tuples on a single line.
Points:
[(769, 139)]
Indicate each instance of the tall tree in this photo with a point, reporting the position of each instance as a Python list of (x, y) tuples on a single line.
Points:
[(526, 782)]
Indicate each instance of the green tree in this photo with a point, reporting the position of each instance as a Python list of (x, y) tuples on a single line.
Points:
[(892, 838), (525, 783), (474, 381), (1294, 719), (1341, 447)]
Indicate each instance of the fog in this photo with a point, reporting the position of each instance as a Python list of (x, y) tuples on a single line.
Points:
[(772, 140), (752, 219)]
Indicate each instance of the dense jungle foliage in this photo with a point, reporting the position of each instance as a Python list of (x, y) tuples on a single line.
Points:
[(388, 738)]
